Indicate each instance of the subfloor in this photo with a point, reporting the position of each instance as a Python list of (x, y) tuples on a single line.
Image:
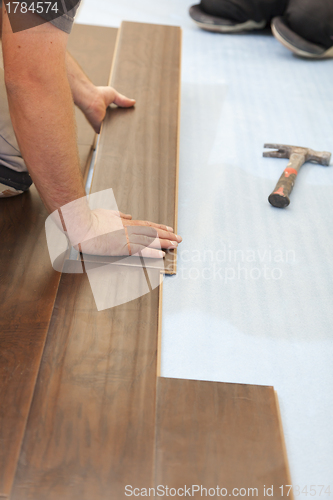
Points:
[(252, 301)]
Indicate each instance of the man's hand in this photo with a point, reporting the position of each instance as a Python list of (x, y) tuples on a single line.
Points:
[(92, 100), (101, 99), (115, 234)]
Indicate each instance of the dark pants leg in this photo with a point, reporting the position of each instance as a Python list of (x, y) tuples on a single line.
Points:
[(312, 20), (245, 10)]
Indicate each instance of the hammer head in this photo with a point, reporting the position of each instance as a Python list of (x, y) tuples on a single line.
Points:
[(284, 151)]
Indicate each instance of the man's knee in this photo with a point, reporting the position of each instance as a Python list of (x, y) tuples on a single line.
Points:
[(312, 20), (236, 10)]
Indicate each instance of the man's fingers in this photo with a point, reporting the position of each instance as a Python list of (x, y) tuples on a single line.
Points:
[(123, 101), (138, 250), (141, 231), (152, 224), (167, 235), (166, 238), (125, 216), (148, 241), (122, 215), (145, 227), (152, 254), (168, 244)]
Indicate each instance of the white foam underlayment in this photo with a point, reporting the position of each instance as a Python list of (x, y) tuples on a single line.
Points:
[(222, 321)]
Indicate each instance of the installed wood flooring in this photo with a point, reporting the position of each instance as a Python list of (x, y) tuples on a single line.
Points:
[(100, 418), (28, 284), (92, 422), (211, 433)]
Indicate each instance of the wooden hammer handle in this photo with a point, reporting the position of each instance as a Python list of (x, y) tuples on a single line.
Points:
[(280, 196)]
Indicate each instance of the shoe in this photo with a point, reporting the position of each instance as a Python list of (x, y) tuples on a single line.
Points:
[(221, 25), (296, 43), (12, 180)]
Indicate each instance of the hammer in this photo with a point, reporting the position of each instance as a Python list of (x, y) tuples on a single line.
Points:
[(297, 156)]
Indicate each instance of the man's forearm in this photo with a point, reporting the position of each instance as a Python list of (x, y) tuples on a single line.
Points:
[(41, 109), (43, 119)]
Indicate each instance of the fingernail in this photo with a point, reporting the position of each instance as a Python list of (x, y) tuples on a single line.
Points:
[(174, 243), (161, 254), (169, 228), (179, 239)]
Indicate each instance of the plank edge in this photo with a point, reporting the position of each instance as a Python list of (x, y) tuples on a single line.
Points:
[(283, 442), (97, 149), (159, 329)]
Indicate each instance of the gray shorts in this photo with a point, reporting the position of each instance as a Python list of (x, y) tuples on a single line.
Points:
[(14, 176), (65, 22)]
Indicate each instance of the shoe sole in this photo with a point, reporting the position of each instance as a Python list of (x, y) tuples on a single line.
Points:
[(296, 50), (220, 25), (237, 28)]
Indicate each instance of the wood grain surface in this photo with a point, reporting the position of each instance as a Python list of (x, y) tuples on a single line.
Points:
[(212, 433), (28, 284), (92, 422), (28, 287), (137, 154), (92, 47)]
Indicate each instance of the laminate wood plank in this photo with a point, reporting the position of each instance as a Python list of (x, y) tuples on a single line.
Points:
[(211, 433), (28, 287), (28, 284), (92, 422), (92, 47), (137, 154)]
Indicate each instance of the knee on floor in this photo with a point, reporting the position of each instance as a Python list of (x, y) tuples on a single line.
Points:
[(312, 20)]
